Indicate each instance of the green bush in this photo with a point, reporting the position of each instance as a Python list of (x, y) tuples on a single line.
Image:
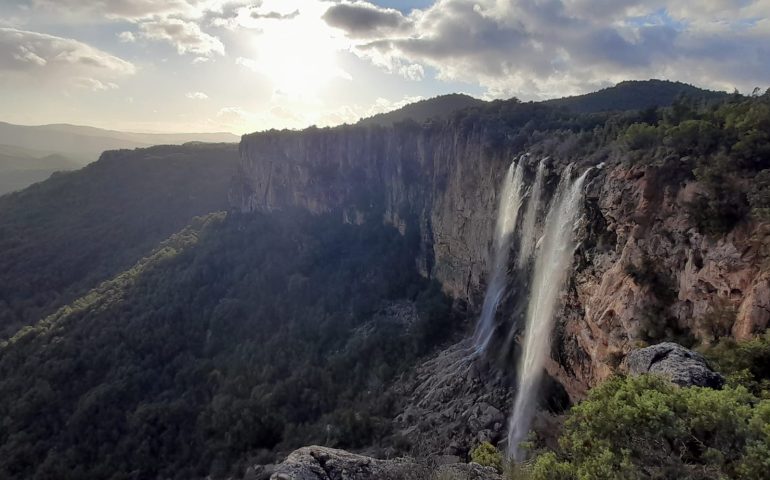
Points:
[(744, 363), (487, 455), (693, 137), (645, 427), (724, 202), (641, 135), (759, 195)]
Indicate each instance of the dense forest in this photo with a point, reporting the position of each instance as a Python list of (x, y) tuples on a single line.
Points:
[(61, 237), (237, 335)]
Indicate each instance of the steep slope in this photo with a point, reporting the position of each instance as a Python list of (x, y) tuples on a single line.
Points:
[(236, 336), (63, 236)]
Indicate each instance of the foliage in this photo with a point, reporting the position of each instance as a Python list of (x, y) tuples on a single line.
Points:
[(62, 237), (645, 427), (634, 95), (745, 363), (238, 335), (724, 204), (487, 455), (759, 195), (640, 136)]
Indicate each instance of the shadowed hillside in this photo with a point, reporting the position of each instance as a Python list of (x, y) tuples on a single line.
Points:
[(60, 237)]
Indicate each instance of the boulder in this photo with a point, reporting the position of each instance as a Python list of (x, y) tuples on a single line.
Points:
[(322, 463), (681, 365)]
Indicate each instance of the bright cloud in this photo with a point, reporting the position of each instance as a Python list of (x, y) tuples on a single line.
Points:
[(186, 37), (196, 96), (39, 57)]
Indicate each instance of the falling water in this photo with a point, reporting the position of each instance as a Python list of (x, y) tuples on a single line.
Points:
[(528, 233), (552, 263), (507, 213)]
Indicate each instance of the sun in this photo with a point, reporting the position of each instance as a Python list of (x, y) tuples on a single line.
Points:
[(298, 50)]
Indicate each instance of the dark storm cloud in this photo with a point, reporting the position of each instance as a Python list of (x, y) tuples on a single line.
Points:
[(365, 20)]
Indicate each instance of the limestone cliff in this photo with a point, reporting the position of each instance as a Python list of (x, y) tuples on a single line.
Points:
[(642, 270)]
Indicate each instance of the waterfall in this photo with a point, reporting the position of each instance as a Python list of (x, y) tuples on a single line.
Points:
[(552, 263), (528, 233), (507, 213)]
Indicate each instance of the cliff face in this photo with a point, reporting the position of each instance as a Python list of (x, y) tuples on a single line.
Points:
[(642, 270), (439, 183), (644, 273)]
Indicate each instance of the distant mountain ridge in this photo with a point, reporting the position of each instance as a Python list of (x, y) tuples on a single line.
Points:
[(29, 154), (85, 144), (634, 95), (628, 95)]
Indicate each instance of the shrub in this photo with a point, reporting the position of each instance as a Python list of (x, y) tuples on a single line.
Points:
[(759, 195), (744, 363), (723, 203), (645, 427), (641, 136), (487, 455)]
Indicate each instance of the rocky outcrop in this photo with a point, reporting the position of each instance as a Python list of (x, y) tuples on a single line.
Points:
[(645, 273), (451, 403), (321, 463), (682, 366)]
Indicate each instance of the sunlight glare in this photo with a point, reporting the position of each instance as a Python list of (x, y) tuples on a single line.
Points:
[(298, 53)]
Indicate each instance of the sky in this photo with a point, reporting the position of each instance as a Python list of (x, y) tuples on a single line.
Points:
[(249, 65)]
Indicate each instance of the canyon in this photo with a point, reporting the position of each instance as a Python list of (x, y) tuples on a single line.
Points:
[(443, 182)]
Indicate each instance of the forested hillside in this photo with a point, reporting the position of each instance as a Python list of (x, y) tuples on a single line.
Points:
[(238, 335), (63, 236)]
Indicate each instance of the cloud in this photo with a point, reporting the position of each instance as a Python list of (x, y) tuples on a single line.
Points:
[(94, 84), (275, 15), (247, 63), (39, 57), (538, 49), (364, 20), (121, 9), (186, 36), (126, 37), (196, 96)]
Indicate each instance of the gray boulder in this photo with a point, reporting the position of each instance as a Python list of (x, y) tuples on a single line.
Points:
[(681, 365), (322, 463)]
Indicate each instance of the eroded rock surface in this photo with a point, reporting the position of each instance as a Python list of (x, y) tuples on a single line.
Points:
[(322, 463), (453, 402)]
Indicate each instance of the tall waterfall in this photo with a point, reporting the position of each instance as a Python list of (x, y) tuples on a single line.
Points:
[(528, 233), (507, 213), (552, 263)]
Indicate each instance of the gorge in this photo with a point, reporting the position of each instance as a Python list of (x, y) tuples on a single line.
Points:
[(420, 293)]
